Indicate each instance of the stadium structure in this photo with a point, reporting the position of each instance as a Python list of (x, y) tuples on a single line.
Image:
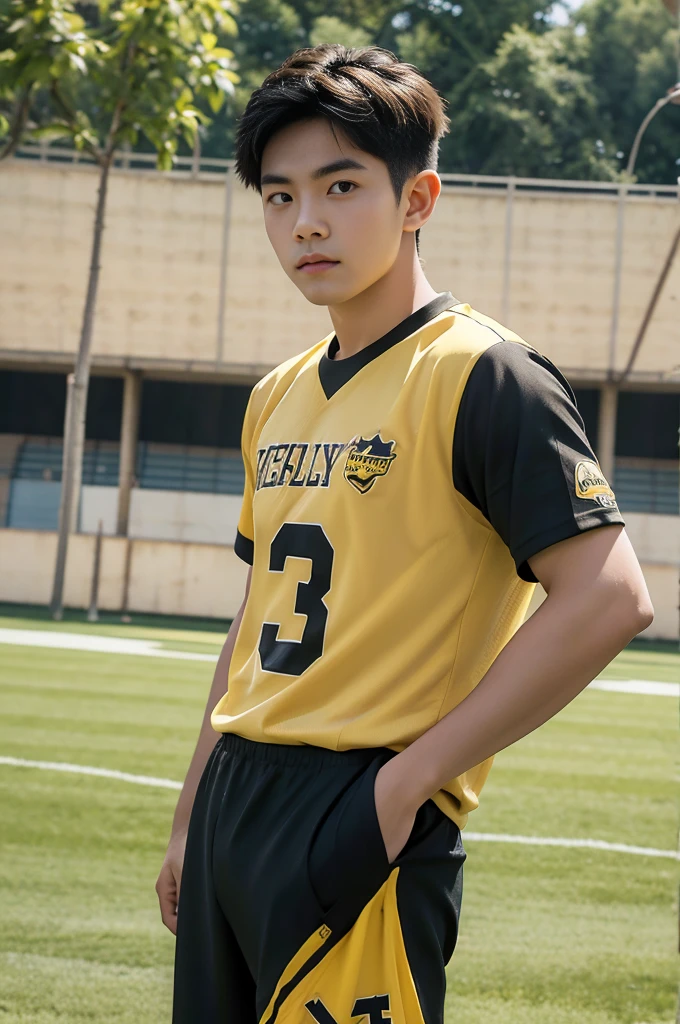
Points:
[(193, 309)]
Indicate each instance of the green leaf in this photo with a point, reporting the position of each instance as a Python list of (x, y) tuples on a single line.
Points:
[(4, 125), (50, 131), (208, 39), (224, 82), (216, 100), (78, 62), (184, 98), (74, 22), (37, 70)]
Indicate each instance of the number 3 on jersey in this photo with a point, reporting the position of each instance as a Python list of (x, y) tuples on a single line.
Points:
[(293, 657)]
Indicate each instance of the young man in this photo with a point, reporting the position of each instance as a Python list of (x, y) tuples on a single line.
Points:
[(408, 479)]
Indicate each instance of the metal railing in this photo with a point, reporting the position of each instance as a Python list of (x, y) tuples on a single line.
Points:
[(647, 485), (197, 164), (158, 467), (125, 159)]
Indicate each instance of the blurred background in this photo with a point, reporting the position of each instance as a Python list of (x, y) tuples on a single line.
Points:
[(140, 302)]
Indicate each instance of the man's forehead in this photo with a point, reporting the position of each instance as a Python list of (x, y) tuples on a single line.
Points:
[(303, 148)]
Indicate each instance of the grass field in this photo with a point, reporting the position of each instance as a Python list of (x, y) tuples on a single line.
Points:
[(549, 935)]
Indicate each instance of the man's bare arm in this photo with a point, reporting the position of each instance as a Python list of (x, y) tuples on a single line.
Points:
[(170, 875), (597, 602)]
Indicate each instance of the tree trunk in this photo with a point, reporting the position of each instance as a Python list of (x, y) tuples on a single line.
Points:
[(76, 405), (23, 107)]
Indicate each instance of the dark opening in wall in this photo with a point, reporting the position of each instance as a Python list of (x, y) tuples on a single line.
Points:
[(32, 403), (35, 404), (104, 408), (211, 415), (647, 425)]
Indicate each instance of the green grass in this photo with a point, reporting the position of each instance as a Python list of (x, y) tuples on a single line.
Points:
[(548, 935)]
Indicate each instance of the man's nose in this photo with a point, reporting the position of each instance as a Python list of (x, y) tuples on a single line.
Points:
[(309, 225)]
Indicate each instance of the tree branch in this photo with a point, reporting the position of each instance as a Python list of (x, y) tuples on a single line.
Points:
[(72, 120), (22, 109), (111, 138)]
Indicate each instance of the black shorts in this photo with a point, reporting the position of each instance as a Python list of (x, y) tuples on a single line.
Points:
[(289, 909)]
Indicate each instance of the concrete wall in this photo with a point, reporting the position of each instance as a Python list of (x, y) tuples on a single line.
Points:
[(159, 290), (208, 579), (98, 504), (656, 538), (184, 516), (154, 515), (562, 272), (165, 578), (164, 515)]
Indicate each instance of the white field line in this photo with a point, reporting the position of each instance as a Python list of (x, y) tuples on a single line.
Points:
[(96, 643), (588, 844), (80, 769), (645, 686), (488, 837), (153, 649)]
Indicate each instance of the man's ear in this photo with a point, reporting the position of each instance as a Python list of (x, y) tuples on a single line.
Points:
[(422, 192)]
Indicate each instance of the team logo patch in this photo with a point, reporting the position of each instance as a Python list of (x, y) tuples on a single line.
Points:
[(367, 460), (591, 484)]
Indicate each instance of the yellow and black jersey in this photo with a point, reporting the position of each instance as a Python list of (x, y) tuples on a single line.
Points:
[(392, 500)]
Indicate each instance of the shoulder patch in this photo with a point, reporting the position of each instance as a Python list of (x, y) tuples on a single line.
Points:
[(591, 484)]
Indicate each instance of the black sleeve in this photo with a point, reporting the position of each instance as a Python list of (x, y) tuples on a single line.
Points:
[(244, 548), (521, 455)]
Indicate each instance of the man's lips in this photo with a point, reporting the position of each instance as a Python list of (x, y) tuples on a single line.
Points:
[(316, 264)]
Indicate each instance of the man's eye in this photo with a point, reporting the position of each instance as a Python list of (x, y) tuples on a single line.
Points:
[(342, 187), (280, 198)]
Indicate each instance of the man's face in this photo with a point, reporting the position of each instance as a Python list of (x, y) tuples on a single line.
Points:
[(323, 197)]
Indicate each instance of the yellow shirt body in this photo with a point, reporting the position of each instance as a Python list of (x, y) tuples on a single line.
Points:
[(405, 595)]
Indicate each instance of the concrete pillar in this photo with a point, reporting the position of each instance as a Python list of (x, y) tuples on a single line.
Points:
[(606, 429), (132, 395)]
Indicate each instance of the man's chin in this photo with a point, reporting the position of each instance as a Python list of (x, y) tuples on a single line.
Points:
[(323, 294)]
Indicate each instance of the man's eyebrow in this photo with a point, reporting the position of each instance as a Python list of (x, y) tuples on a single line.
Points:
[(274, 179), (344, 164)]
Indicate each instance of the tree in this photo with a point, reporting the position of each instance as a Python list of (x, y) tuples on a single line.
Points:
[(139, 69), (631, 58), (538, 111)]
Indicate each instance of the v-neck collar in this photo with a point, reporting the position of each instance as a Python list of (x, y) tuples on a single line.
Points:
[(333, 374)]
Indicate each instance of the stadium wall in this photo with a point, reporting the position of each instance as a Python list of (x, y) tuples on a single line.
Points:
[(154, 514), (164, 578), (184, 578), (541, 260)]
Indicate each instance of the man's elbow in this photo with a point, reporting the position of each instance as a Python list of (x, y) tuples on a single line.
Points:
[(645, 613), (635, 612)]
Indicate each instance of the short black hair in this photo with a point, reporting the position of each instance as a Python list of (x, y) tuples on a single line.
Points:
[(385, 106)]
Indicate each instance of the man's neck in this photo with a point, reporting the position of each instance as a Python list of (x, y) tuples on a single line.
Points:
[(371, 314)]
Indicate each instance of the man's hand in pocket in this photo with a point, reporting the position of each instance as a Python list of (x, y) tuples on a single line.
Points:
[(396, 807)]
